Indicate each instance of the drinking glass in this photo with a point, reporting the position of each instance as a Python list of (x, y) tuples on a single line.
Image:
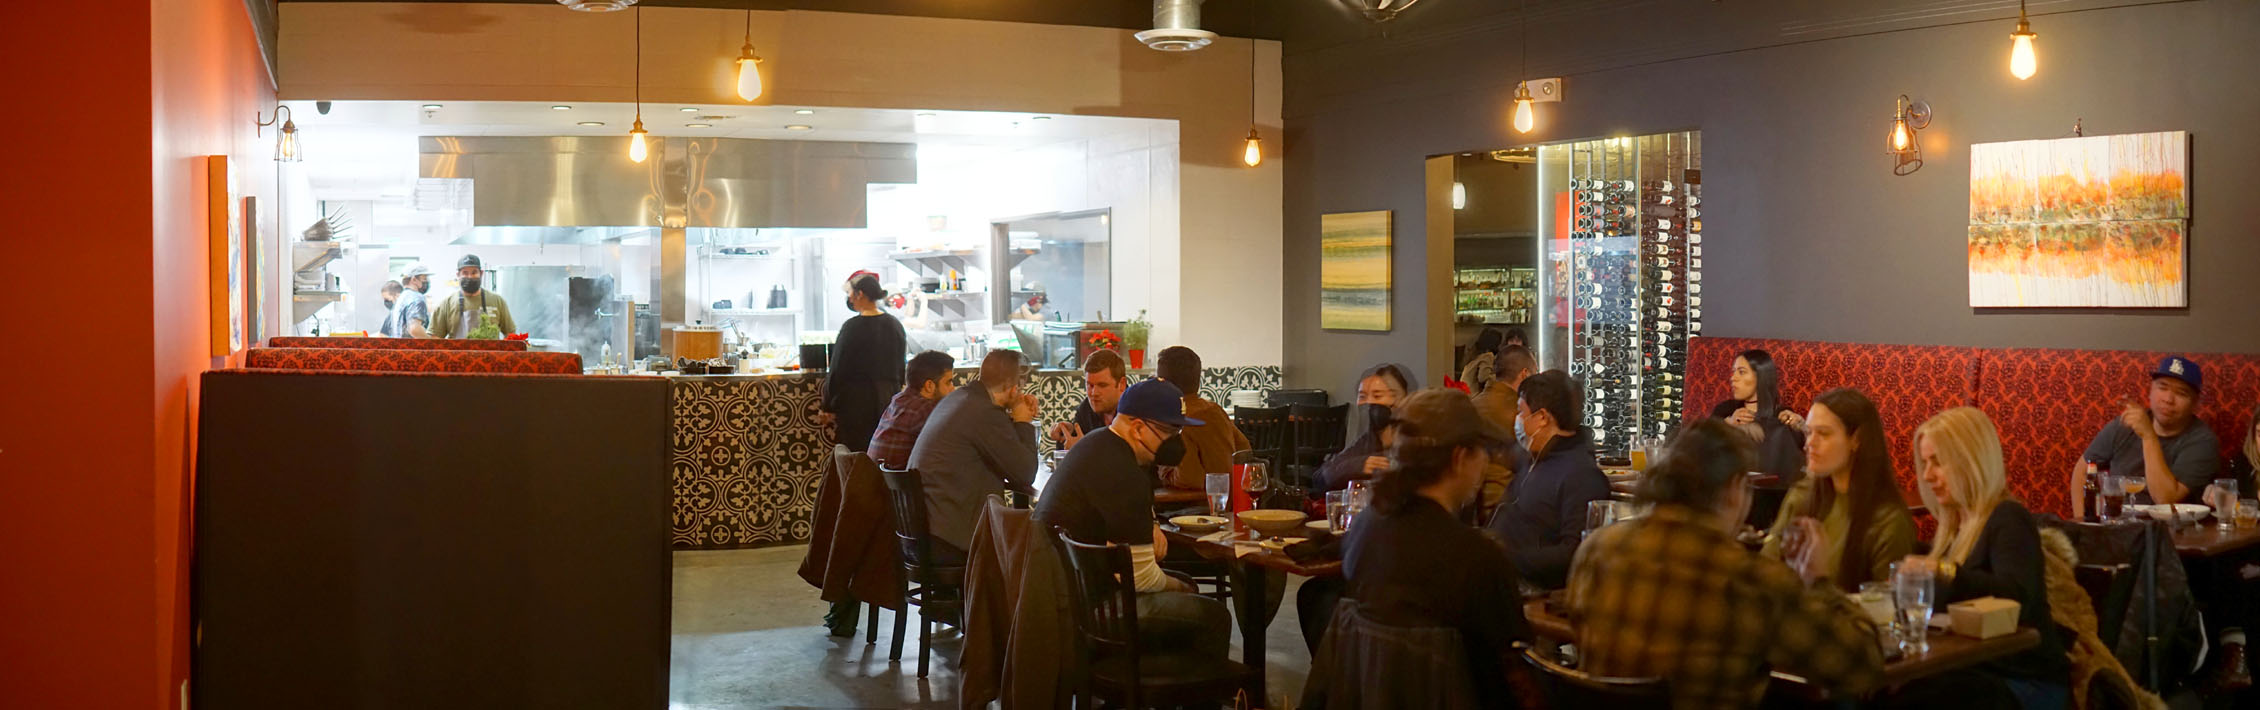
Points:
[(1361, 493), (2225, 513), (1599, 514), (1219, 493), (2247, 513), (2114, 498), (1256, 479), (1917, 591), (1338, 510), (2133, 485)]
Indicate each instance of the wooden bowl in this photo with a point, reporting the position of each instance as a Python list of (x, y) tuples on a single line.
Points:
[(1275, 523)]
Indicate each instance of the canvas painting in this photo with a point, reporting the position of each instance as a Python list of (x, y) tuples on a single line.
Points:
[(2088, 222), (1353, 271)]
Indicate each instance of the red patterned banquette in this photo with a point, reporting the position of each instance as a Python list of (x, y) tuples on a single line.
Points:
[(2047, 403), (282, 341), (413, 360)]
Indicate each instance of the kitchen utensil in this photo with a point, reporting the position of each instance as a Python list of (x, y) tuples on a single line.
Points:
[(1274, 523), (698, 342), (777, 298), (722, 305)]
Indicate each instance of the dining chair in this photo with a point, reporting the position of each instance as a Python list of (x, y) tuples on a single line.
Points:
[(1573, 688), (1319, 432), (1106, 620), (846, 464), (937, 590), (1269, 433), (2111, 588)]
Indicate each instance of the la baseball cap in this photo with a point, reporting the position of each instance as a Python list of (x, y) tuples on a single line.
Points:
[(1155, 400), (2180, 368)]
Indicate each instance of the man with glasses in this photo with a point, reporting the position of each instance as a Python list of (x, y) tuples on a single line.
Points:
[(1101, 493)]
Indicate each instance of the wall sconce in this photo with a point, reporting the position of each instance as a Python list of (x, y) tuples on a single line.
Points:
[(1906, 151), (286, 145)]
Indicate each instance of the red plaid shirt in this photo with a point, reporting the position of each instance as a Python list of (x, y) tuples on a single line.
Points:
[(898, 429)]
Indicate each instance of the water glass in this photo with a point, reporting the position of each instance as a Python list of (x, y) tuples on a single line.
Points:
[(1361, 494), (2224, 513), (1916, 591), (1338, 510), (1599, 514), (1875, 599), (1219, 493)]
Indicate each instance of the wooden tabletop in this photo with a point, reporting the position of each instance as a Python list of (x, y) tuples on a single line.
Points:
[(2205, 540), (1174, 496), (1947, 651), (1264, 558)]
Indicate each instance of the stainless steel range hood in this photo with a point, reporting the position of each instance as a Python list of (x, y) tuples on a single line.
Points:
[(546, 190)]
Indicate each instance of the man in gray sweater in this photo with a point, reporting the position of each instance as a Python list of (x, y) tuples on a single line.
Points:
[(980, 439)]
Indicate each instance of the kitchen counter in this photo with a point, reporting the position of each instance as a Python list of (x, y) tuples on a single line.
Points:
[(746, 458)]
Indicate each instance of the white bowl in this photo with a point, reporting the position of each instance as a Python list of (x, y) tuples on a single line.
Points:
[(1198, 524), (2186, 512)]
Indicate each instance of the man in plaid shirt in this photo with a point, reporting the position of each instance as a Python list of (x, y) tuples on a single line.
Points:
[(1674, 595), (928, 381)]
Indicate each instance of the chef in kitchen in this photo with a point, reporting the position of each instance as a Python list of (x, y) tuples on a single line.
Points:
[(474, 311)]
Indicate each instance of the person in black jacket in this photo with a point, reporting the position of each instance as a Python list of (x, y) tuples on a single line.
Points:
[(1379, 389), (1414, 569), (1545, 516), (1988, 546), (1756, 410), (867, 364)]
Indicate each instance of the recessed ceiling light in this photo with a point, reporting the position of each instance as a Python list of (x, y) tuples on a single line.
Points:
[(799, 127), (592, 123), (1043, 118), (925, 114), (432, 107), (561, 107), (698, 125), (688, 109), (806, 112)]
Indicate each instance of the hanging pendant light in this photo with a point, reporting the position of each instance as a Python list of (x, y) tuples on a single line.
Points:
[(636, 149), (749, 65), (1525, 117), (1252, 155), (2022, 63)]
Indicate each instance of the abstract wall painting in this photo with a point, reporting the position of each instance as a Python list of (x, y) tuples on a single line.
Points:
[(2088, 222), (1353, 271)]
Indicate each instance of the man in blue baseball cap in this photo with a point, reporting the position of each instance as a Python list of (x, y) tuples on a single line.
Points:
[(2164, 444), (1102, 492)]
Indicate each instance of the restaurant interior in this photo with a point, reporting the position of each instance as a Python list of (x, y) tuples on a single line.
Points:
[(774, 353)]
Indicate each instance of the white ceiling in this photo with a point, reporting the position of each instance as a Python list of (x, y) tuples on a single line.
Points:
[(366, 150)]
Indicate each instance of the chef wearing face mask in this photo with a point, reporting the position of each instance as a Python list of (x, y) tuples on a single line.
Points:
[(410, 313), (472, 311)]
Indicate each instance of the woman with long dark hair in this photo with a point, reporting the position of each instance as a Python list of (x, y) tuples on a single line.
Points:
[(1423, 581), (1476, 370), (867, 363), (1776, 432), (1846, 522)]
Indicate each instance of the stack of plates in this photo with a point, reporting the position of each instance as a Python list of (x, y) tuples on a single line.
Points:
[(1247, 398)]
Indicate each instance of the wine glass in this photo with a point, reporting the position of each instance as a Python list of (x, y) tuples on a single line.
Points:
[(1917, 591)]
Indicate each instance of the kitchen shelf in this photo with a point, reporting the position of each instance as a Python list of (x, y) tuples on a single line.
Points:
[(304, 304), (937, 263), (307, 256)]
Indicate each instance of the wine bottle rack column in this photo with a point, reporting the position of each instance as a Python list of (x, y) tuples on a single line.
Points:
[(1605, 317), (1671, 262)]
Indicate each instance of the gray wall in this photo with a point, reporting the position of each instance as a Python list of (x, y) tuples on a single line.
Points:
[(1809, 234)]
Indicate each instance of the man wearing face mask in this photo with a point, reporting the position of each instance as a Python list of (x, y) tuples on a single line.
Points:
[(391, 294), (980, 439), (475, 311), (1101, 494), (1544, 516), (410, 312)]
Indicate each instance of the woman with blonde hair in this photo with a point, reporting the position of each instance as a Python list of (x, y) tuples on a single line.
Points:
[(1988, 545)]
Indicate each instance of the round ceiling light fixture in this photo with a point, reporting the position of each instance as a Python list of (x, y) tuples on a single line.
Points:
[(799, 127), (591, 123), (1177, 27), (596, 5)]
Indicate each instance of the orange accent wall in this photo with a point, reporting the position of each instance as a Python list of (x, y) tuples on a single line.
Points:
[(104, 194)]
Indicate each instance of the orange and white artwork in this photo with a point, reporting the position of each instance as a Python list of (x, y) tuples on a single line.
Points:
[(2089, 222)]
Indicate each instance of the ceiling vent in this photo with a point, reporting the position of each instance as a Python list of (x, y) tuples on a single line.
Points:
[(1177, 27), (596, 5)]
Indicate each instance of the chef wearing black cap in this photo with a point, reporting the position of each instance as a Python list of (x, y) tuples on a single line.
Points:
[(468, 312)]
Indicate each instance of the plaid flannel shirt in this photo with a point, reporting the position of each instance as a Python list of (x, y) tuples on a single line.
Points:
[(1669, 595), (898, 429)]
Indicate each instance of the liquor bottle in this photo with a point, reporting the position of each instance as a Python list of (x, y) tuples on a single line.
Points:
[(2091, 489)]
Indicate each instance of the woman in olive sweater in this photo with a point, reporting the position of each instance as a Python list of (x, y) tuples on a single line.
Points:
[(1845, 523)]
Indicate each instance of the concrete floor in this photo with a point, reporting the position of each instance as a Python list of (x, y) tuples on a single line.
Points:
[(748, 633)]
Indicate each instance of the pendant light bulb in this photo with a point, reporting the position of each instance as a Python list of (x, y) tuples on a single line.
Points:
[(1526, 118), (286, 147), (636, 150), (1253, 155), (2022, 63), (749, 74), (1900, 138)]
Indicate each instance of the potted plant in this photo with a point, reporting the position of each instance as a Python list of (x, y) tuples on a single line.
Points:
[(1136, 331)]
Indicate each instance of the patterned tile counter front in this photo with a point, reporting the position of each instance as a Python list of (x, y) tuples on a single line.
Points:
[(747, 458)]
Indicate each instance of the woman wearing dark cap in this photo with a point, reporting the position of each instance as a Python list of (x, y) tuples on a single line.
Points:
[(1429, 617), (1756, 410), (867, 364)]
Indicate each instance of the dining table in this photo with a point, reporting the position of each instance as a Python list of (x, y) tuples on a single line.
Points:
[(1251, 563), (2205, 539), (1948, 651)]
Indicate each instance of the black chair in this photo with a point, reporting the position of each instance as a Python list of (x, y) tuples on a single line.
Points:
[(1319, 432), (2111, 588), (937, 590), (1106, 617), (1269, 432), (1573, 688)]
